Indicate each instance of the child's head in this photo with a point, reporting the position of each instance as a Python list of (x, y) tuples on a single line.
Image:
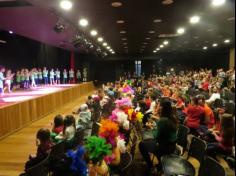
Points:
[(58, 121), (69, 121), (83, 107), (43, 135), (227, 126)]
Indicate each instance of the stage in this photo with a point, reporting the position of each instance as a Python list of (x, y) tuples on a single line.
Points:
[(20, 108), (23, 95)]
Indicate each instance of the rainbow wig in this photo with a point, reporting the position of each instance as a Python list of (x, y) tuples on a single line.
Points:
[(109, 131)]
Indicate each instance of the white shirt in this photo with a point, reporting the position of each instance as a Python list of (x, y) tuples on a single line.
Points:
[(213, 98), (152, 106)]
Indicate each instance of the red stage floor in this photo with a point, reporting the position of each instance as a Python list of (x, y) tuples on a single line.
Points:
[(22, 95)]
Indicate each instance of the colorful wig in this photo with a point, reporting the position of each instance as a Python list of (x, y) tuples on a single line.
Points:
[(97, 149), (78, 165), (109, 131)]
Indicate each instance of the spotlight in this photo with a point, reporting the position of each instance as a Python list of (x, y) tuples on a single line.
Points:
[(10, 32), (161, 46), (104, 44), (205, 48)]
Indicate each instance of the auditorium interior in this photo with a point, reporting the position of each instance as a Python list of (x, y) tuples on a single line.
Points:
[(117, 87)]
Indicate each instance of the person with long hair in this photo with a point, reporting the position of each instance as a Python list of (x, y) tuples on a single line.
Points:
[(165, 136)]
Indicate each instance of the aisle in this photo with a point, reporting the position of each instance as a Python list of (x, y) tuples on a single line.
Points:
[(15, 149)]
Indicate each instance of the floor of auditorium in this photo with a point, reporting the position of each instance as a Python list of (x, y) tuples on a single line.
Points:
[(15, 149)]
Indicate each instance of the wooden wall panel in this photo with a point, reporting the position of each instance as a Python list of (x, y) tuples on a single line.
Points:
[(16, 116)]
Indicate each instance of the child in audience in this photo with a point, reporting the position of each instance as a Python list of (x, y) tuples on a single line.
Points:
[(68, 131), (194, 115), (44, 145), (58, 125), (224, 139), (84, 119)]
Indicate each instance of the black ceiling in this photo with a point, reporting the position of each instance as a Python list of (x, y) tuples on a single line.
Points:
[(215, 26)]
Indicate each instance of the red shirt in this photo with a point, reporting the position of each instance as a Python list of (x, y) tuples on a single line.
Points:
[(194, 115), (148, 103), (205, 86), (59, 129)]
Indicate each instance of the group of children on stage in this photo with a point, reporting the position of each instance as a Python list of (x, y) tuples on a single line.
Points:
[(25, 78)]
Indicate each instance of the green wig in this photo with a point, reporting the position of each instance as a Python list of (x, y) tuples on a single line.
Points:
[(97, 149)]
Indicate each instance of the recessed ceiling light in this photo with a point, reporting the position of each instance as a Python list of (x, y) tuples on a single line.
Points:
[(124, 39), (227, 41), (196, 37), (100, 39), (66, 4), (161, 46), (181, 30), (231, 19), (210, 30), (113, 52), (194, 19), (148, 38), (158, 49), (108, 47), (154, 51), (157, 21), (152, 32), (93, 32), (11, 32), (145, 43), (116, 4), (218, 2), (83, 22), (166, 42), (205, 48), (123, 32), (125, 43), (120, 21), (167, 2), (215, 45), (104, 44)]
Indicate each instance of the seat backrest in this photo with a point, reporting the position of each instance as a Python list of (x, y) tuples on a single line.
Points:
[(197, 149), (57, 150), (41, 169), (133, 146), (182, 135), (211, 167)]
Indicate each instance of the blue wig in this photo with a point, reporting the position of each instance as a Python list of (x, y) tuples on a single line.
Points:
[(78, 165)]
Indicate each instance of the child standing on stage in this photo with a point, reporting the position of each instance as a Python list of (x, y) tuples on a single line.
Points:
[(36, 77), (78, 76), (22, 79), (27, 79), (8, 80), (40, 75), (45, 76), (2, 78), (65, 76), (32, 77), (51, 76), (71, 76), (18, 80), (58, 76)]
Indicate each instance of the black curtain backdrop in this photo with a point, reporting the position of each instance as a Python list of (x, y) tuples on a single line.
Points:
[(20, 52)]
